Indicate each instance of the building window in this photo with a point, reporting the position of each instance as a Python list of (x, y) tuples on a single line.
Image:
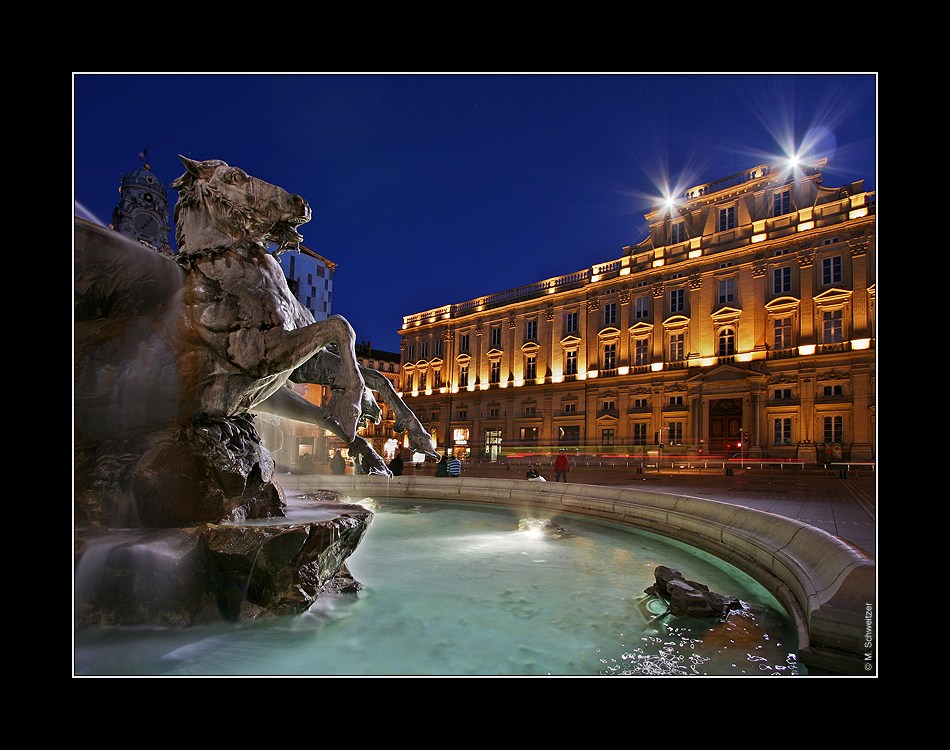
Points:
[(494, 375), (610, 314), (409, 382), (832, 327), (782, 280), (782, 333), (569, 435), (531, 368), (570, 322), (781, 202), (727, 342), (422, 380), (833, 390), (529, 410), (493, 412), (675, 433), (677, 232), (463, 343), (495, 337), (677, 347), (640, 433), (606, 437), (782, 431), (727, 290), (438, 347), (609, 405), (833, 429), (411, 352), (677, 300), (782, 393), (424, 349), (641, 352), (462, 414), (610, 357), (642, 308), (437, 379), (570, 408), (727, 218), (529, 435), (640, 403), (675, 401), (831, 270), (463, 376), (570, 364), (434, 416)]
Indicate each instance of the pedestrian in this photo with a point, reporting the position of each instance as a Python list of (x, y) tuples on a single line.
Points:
[(532, 474), (441, 468), (338, 463), (453, 467), (395, 466), (561, 466), (306, 464)]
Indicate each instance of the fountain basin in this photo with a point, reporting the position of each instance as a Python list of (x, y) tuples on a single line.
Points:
[(823, 582)]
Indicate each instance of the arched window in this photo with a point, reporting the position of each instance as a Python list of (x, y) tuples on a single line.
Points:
[(727, 341)]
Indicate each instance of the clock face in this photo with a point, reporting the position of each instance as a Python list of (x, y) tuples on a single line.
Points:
[(145, 225)]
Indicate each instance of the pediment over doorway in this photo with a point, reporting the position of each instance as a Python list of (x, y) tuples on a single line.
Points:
[(725, 374)]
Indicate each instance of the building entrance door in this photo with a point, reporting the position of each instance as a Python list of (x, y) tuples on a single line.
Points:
[(725, 425), (492, 444)]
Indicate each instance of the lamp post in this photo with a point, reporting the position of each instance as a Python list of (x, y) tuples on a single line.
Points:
[(659, 454)]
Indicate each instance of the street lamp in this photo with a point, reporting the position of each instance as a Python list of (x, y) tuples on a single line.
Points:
[(743, 439), (659, 454)]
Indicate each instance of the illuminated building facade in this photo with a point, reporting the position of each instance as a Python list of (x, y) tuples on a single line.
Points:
[(747, 315)]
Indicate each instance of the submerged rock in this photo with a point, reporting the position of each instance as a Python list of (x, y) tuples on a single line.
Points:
[(690, 598)]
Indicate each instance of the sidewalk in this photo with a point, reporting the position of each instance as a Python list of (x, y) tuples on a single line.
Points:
[(843, 507)]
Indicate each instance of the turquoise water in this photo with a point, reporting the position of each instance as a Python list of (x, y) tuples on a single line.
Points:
[(452, 589)]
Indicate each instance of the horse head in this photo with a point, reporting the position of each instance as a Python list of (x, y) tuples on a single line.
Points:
[(220, 206)]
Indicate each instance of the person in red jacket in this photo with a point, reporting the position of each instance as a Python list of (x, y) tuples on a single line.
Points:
[(561, 466)]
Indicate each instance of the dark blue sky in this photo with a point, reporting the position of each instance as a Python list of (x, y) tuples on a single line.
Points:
[(429, 189)]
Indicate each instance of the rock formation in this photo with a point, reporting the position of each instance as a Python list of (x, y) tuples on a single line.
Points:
[(689, 598)]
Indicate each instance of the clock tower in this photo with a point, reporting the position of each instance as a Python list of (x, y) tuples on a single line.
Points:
[(142, 211)]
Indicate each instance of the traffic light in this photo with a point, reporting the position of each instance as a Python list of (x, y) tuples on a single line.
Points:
[(745, 436)]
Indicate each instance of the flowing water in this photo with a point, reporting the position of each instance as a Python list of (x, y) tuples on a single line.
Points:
[(454, 589)]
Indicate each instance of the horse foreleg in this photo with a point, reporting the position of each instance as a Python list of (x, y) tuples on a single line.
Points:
[(285, 403), (372, 462), (266, 353), (406, 421), (323, 367)]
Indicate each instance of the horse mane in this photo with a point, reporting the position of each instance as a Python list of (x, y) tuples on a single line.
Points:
[(201, 198)]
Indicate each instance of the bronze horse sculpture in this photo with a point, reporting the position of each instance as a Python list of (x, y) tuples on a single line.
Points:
[(173, 355)]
